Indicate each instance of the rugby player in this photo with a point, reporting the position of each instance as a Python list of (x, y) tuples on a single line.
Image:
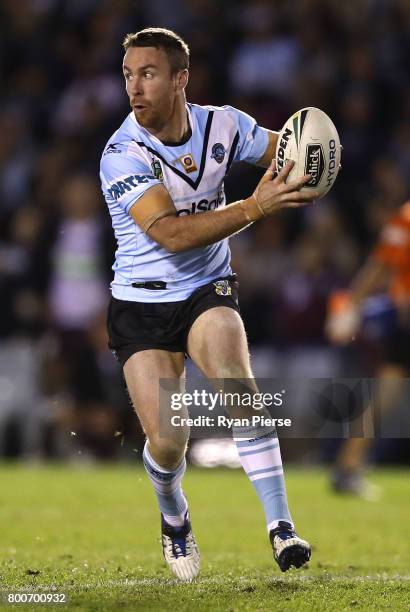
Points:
[(387, 267), (174, 293)]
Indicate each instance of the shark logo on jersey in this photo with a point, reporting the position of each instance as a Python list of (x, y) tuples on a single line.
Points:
[(188, 163), (222, 287), (128, 183), (218, 152), (157, 169)]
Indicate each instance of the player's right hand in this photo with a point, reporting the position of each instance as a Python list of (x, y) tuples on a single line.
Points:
[(274, 193)]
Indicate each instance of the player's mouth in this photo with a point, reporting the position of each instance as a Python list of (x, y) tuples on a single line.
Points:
[(139, 107)]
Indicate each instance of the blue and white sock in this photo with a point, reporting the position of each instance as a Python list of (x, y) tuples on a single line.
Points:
[(167, 486), (260, 456)]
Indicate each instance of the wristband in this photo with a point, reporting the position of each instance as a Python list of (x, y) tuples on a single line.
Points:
[(252, 210)]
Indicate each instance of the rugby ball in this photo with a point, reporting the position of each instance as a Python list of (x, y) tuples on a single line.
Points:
[(310, 139)]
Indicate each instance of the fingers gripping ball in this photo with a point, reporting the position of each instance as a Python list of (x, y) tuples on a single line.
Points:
[(310, 139)]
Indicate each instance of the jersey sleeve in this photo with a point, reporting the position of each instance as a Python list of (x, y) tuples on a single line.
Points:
[(253, 139), (125, 178), (393, 248)]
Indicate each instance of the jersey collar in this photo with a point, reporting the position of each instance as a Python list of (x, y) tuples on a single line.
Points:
[(164, 142)]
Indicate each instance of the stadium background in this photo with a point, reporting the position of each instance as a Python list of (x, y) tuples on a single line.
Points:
[(62, 96)]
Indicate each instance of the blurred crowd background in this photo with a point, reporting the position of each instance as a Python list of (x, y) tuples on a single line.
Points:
[(62, 96)]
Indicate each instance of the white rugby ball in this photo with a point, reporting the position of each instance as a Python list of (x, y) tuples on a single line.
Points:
[(310, 139)]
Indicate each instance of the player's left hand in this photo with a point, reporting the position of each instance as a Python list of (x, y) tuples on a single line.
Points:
[(274, 192), (343, 319)]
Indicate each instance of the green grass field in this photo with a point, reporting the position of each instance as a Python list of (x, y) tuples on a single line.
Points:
[(93, 533)]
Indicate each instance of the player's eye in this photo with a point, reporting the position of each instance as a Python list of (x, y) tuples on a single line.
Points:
[(148, 75), (128, 76)]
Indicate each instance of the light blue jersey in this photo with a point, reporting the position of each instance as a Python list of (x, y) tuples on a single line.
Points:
[(193, 173)]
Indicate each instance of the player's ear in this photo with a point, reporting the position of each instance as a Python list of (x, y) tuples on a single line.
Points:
[(181, 80)]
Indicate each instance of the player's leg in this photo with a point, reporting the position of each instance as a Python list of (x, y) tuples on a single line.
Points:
[(143, 371), (164, 454), (347, 474), (218, 346), (164, 451)]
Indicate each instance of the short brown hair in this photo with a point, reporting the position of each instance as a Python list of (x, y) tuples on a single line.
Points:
[(176, 49)]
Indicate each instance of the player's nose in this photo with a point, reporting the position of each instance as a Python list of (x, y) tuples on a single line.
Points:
[(135, 87)]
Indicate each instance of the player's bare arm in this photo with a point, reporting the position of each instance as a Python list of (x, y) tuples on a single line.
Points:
[(155, 212), (373, 276), (343, 320), (266, 159)]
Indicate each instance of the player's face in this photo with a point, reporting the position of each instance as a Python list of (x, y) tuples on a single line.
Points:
[(151, 87)]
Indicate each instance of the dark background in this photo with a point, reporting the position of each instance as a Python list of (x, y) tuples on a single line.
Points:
[(62, 96)]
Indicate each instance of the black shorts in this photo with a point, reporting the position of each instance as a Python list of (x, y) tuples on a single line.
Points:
[(138, 326)]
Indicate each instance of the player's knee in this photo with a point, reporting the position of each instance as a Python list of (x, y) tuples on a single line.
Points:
[(166, 452), (232, 370)]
